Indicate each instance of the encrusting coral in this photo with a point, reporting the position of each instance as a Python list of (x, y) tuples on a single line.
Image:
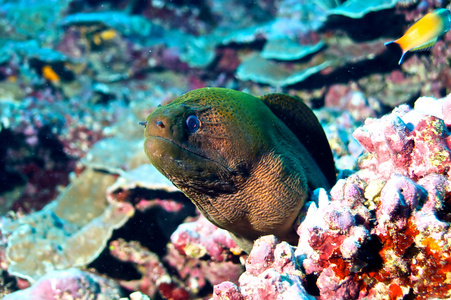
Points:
[(272, 271), (69, 284)]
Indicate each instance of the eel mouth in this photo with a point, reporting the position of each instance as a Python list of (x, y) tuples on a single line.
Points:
[(153, 142)]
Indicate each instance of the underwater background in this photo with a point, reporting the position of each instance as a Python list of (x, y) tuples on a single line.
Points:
[(83, 215)]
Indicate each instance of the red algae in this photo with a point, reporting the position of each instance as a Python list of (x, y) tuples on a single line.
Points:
[(341, 268), (397, 241), (171, 291), (433, 268), (395, 292)]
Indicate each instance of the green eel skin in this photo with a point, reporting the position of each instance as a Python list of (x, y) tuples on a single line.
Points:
[(247, 163)]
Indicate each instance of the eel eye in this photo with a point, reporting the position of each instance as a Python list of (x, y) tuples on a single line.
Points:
[(193, 123)]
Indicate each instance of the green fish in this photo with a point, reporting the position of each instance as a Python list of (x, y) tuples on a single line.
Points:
[(247, 163)]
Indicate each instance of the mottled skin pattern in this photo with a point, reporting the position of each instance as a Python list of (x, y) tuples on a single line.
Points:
[(244, 169)]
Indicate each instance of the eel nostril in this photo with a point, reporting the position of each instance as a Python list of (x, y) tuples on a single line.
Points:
[(159, 124)]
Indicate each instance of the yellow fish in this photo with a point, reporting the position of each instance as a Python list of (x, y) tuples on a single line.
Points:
[(104, 35), (424, 33)]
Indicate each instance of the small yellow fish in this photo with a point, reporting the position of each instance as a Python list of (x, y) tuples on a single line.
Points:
[(104, 35), (424, 33)]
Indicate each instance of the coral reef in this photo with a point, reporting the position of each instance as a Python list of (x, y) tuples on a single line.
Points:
[(71, 231), (340, 51), (76, 190), (357, 9)]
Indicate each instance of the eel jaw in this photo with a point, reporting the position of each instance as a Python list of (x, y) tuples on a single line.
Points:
[(191, 172)]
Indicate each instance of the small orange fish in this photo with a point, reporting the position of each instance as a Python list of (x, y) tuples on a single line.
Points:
[(50, 74), (424, 33)]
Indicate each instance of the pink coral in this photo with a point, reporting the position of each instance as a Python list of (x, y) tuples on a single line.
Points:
[(69, 284), (201, 252), (271, 273), (200, 238), (413, 148), (150, 266)]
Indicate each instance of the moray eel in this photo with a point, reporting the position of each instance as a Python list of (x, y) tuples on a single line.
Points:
[(247, 163)]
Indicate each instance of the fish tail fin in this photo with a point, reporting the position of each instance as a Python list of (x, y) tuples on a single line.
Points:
[(402, 58), (395, 42), (387, 44)]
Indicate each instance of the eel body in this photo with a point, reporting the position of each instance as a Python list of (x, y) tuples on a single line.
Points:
[(247, 163)]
